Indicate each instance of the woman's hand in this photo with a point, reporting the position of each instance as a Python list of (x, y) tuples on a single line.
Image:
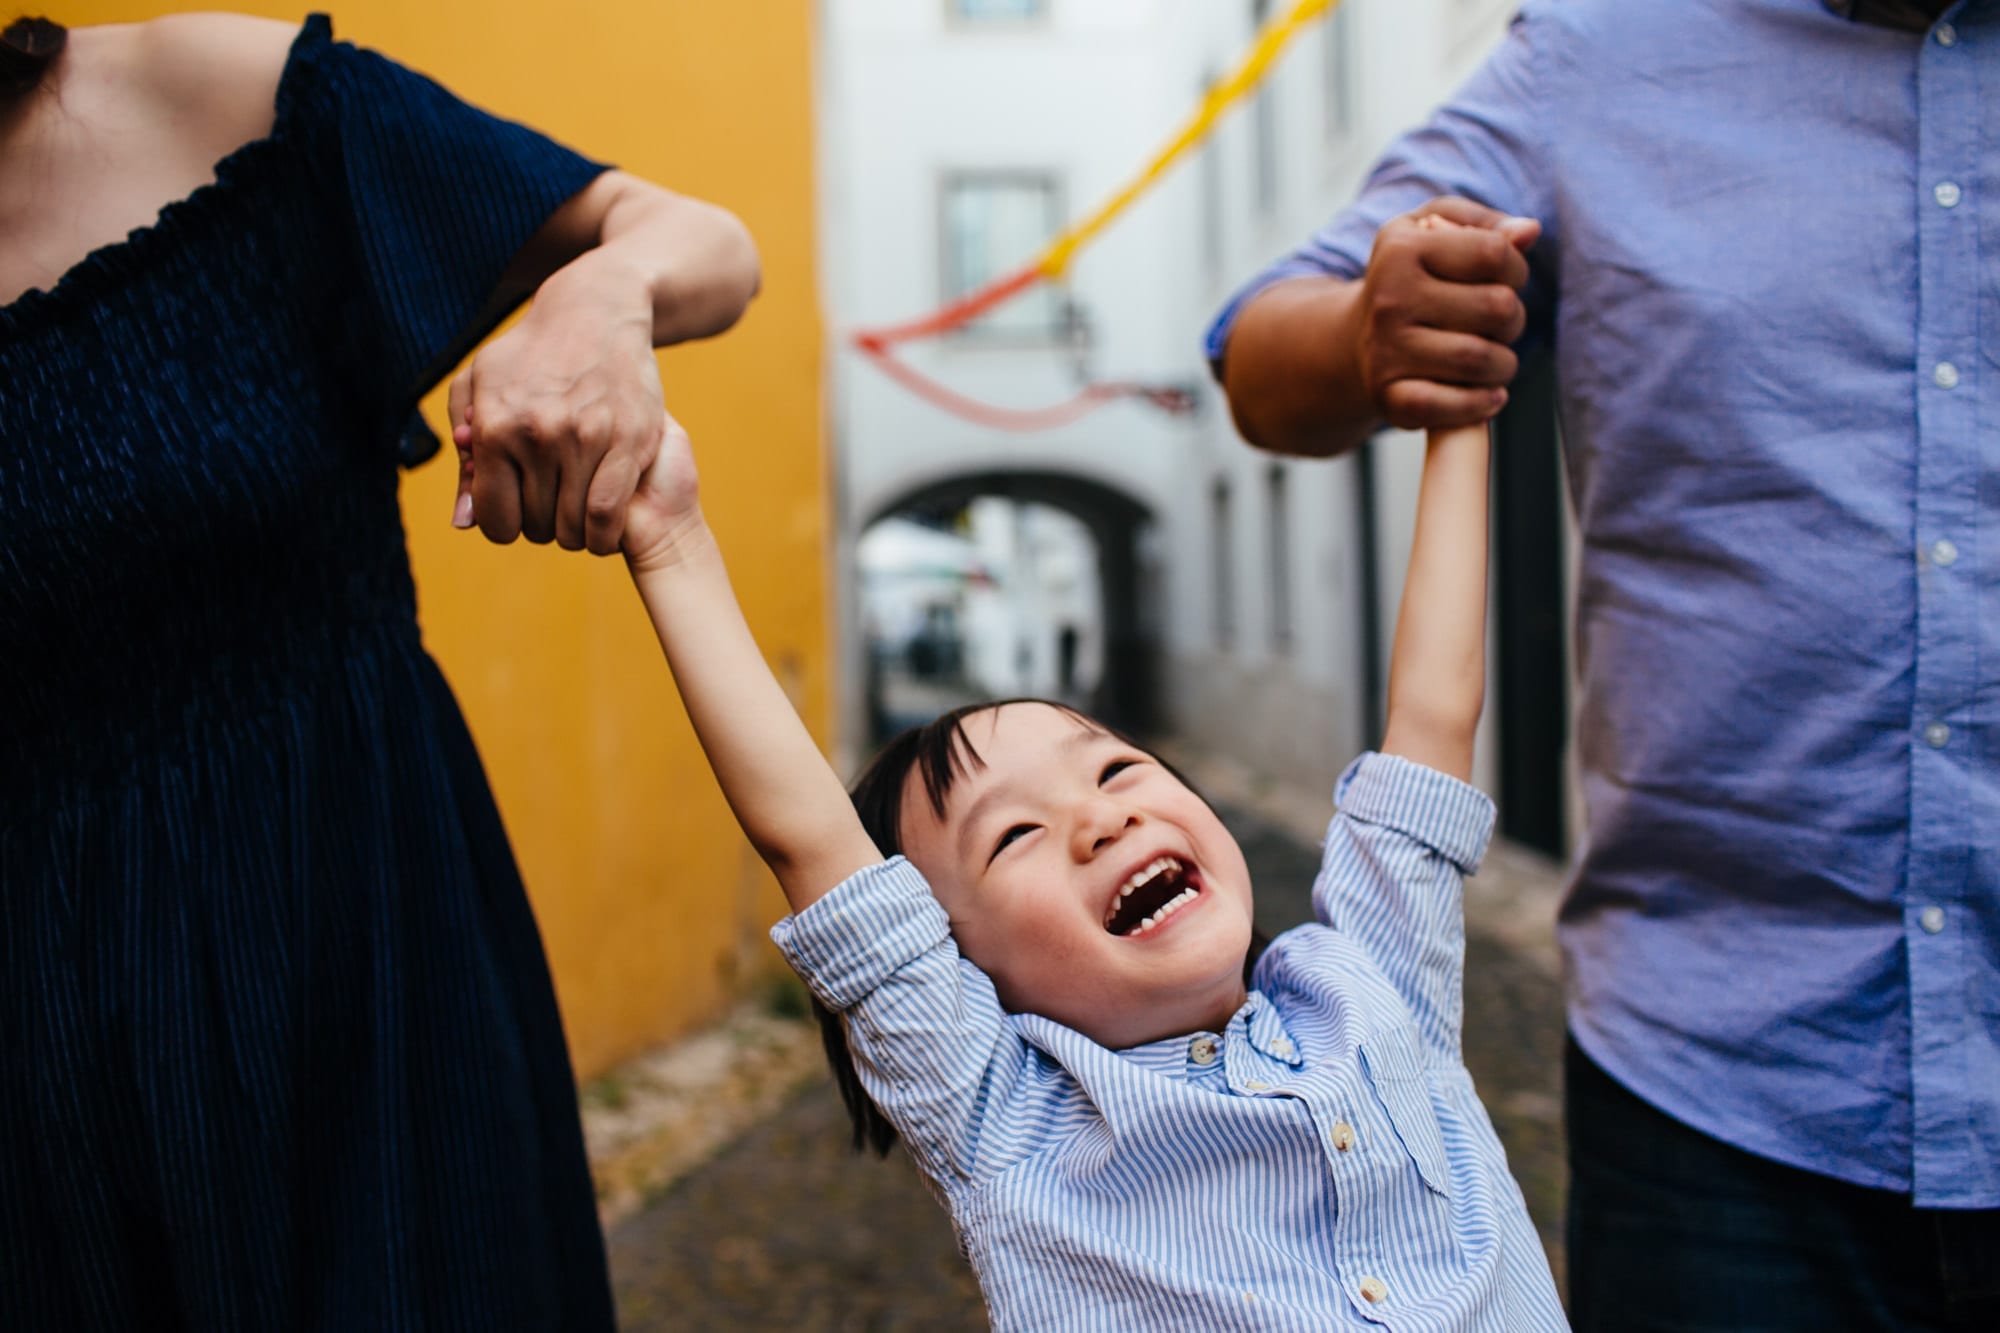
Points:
[(557, 418), (666, 510)]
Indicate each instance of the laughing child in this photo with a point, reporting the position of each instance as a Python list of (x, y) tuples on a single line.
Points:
[(1038, 938)]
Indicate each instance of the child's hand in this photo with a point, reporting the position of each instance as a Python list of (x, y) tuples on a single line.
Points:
[(666, 508)]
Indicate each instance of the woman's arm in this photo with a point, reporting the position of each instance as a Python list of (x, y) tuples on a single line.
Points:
[(785, 796), (557, 418), (1437, 670), (693, 263)]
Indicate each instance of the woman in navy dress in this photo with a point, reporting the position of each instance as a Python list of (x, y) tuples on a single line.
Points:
[(278, 1047)]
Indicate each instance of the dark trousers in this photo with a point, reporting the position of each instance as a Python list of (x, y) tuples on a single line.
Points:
[(1671, 1231)]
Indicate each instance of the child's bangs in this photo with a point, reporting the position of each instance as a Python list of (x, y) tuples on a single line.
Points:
[(941, 753)]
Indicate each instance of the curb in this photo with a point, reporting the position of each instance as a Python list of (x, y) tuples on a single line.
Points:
[(653, 1119)]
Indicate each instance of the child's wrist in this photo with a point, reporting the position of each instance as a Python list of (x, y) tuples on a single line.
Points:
[(686, 539)]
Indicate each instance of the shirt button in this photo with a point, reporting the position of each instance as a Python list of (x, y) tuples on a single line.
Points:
[(1937, 735), (1202, 1050), (1943, 552), (1342, 1136), (1946, 35), (1283, 1046), (1946, 375), (1946, 194), (1256, 1085), (1931, 919), (1374, 1290)]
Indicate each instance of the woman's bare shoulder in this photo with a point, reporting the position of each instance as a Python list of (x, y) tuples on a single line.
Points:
[(215, 74)]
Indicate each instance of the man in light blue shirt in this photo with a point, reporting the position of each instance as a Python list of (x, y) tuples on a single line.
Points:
[(1768, 263)]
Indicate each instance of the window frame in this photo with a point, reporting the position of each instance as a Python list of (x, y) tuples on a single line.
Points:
[(981, 331), (956, 17), (1222, 562), (1278, 539)]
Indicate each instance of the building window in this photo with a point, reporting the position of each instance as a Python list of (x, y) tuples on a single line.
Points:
[(996, 11), (992, 223), (1225, 564), (1209, 184), (1264, 127), (1277, 524), (1341, 94)]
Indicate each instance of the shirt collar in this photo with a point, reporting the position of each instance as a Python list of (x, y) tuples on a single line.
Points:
[(1905, 15), (1266, 1031), (1256, 1024)]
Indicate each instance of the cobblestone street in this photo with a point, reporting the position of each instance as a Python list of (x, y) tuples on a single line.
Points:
[(788, 1229)]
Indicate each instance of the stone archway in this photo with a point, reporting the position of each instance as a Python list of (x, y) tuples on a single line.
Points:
[(1126, 692)]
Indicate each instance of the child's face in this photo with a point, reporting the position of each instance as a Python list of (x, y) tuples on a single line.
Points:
[(1035, 854)]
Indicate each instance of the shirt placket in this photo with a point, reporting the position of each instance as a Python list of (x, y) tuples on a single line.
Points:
[(1951, 382), (1364, 1162)]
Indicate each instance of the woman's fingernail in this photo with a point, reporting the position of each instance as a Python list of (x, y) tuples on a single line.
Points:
[(461, 516)]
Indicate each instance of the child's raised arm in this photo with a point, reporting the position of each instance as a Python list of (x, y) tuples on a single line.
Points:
[(1437, 670), (784, 794)]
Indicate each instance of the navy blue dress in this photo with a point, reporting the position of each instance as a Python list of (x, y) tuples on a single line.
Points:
[(278, 1046)]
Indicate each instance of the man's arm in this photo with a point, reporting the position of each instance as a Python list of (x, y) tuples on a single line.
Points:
[(1422, 340), (1437, 669)]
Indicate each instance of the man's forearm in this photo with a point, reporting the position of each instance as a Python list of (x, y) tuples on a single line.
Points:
[(1292, 369)]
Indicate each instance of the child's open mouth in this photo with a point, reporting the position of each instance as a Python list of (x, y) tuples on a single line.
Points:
[(1153, 893)]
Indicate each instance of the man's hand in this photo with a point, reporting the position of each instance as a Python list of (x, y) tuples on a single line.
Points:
[(1316, 364), (1439, 308), (557, 418)]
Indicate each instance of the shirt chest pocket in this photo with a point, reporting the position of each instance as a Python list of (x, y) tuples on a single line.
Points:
[(1397, 1078)]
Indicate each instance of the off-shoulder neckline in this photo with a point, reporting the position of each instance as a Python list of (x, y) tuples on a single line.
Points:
[(115, 261)]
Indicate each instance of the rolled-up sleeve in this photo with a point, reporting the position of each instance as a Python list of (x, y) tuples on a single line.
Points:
[(930, 1041), (872, 924), (1392, 880)]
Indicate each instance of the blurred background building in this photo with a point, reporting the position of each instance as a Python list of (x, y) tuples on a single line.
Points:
[(1247, 602)]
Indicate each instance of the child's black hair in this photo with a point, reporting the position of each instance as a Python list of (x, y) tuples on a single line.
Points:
[(940, 753)]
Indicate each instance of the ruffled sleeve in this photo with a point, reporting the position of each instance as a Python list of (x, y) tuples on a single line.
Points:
[(440, 196)]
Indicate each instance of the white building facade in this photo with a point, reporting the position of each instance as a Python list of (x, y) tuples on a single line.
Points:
[(957, 134)]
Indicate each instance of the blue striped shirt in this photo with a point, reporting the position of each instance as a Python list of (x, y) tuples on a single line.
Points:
[(1322, 1161)]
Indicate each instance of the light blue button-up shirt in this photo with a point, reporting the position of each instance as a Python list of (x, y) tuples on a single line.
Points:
[(1770, 269), (1322, 1162)]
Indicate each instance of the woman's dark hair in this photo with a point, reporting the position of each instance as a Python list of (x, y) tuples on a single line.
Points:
[(28, 46), (939, 753)]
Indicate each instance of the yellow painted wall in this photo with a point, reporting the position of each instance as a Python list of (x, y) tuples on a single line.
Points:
[(652, 907)]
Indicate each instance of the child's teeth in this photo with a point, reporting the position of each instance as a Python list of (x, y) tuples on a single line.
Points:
[(1138, 880), (1141, 876)]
